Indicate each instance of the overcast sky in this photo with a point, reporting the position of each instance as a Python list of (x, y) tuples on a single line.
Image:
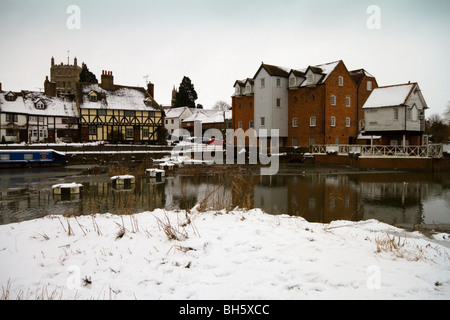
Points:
[(216, 42)]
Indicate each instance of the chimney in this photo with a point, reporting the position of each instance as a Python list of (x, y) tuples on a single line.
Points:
[(0, 86), (107, 80), (49, 88), (150, 89)]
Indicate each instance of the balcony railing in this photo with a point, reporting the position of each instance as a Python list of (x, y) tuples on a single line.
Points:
[(425, 151)]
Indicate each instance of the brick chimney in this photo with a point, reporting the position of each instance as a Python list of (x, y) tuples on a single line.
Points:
[(150, 89), (107, 80), (49, 88)]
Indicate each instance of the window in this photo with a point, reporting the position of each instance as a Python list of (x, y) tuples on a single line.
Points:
[(395, 114), (333, 121), (336, 140), (10, 133), (369, 85), (130, 113), (4, 157), (28, 156), (341, 81), (263, 121), (312, 141), (11, 117), (312, 121), (93, 98), (333, 100), (92, 130), (292, 81), (250, 124), (129, 133), (171, 122), (347, 101), (294, 142), (248, 88), (347, 122), (408, 114), (240, 124), (278, 82), (145, 133), (40, 105), (167, 121), (278, 102), (263, 82), (101, 112), (295, 122)]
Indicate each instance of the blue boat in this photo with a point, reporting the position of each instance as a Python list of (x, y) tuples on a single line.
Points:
[(31, 158)]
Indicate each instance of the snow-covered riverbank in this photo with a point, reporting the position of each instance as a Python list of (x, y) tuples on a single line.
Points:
[(218, 255)]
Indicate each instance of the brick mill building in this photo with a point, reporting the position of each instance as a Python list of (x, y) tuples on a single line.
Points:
[(321, 104)]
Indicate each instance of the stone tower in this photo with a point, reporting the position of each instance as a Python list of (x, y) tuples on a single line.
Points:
[(65, 76)]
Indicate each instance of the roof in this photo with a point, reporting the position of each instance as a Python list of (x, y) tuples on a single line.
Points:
[(359, 75), (175, 112), (207, 116), (26, 100), (274, 71), (120, 98), (389, 96)]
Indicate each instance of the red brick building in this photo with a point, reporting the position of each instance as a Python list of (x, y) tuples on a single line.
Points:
[(322, 106), (324, 103)]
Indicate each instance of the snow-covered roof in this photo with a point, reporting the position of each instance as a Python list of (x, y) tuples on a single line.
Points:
[(175, 112), (389, 96), (25, 103), (206, 116), (121, 98)]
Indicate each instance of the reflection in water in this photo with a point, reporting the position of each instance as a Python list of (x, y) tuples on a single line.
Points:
[(317, 194)]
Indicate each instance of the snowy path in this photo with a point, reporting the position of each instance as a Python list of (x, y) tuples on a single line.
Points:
[(218, 255)]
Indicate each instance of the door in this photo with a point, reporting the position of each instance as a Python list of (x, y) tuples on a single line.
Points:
[(137, 134)]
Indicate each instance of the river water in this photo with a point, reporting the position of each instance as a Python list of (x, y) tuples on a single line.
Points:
[(319, 194)]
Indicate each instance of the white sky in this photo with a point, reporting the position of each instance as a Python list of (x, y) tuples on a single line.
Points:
[(215, 42)]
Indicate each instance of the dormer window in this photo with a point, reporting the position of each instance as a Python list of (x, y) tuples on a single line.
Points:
[(237, 90), (39, 105), (148, 102), (93, 97), (10, 96)]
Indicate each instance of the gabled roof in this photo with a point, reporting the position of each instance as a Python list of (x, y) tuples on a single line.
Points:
[(273, 71), (359, 75), (390, 96), (120, 98), (176, 112)]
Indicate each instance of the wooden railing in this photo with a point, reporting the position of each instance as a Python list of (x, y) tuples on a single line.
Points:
[(425, 151)]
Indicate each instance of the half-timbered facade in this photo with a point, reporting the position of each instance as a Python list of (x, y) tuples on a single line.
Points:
[(110, 112), (30, 116)]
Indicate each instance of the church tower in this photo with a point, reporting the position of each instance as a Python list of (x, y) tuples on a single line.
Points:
[(174, 97)]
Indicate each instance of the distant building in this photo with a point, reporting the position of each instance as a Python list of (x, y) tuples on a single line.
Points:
[(65, 76), (110, 112), (397, 113), (174, 118)]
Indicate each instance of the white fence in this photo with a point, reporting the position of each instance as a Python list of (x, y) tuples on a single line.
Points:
[(426, 151)]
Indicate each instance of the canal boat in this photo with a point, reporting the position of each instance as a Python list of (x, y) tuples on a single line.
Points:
[(31, 158)]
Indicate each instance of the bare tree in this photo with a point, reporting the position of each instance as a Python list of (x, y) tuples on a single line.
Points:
[(447, 113), (221, 106)]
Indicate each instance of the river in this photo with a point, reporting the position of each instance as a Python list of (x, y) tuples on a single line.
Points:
[(317, 193)]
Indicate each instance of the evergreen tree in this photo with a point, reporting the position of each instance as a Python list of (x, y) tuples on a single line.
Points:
[(86, 75), (186, 94)]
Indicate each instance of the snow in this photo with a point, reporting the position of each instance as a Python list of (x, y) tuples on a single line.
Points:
[(54, 106), (388, 96), (240, 254), (67, 185), (124, 98)]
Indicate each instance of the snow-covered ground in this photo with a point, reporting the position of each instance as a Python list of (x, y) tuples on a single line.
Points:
[(218, 255)]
